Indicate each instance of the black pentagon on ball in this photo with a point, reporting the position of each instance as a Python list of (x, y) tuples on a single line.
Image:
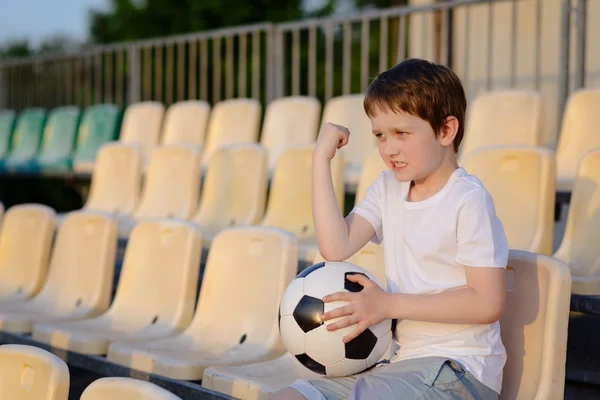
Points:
[(361, 346), (309, 270), (311, 364), (353, 286), (308, 313)]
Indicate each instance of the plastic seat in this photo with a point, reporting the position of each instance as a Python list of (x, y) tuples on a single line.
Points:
[(26, 138), (155, 295), (236, 319), (25, 244), (142, 124), (579, 248), (171, 187), (114, 388), (186, 122), (289, 206), (349, 111), (31, 373), (80, 275), (289, 122), (503, 117), (232, 121), (521, 181), (7, 125), (100, 124), (234, 190), (578, 135), (372, 168)]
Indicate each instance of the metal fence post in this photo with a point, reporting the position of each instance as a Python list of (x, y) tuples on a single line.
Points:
[(563, 63), (580, 44), (133, 75)]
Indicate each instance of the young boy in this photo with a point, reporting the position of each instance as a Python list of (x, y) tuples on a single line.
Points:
[(445, 248)]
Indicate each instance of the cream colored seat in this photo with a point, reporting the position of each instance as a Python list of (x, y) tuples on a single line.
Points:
[(289, 122), (171, 187), (186, 122), (234, 191), (289, 205), (142, 124), (232, 121), (154, 298), (372, 168), (25, 244), (349, 111), (31, 373), (503, 117), (236, 319), (80, 275), (521, 181), (115, 388), (579, 135), (579, 247)]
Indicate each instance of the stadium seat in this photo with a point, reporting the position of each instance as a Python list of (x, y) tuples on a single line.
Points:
[(289, 205), (171, 187), (372, 168), (186, 122), (7, 125), (579, 247), (234, 190), (155, 295), (236, 319), (80, 275), (289, 121), (31, 373), (142, 124), (348, 111), (116, 388), (26, 138), (25, 243), (232, 121), (503, 117), (578, 135), (100, 124), (521, 181)]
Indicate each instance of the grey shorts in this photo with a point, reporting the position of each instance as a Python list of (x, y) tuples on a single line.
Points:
[(425, 378)]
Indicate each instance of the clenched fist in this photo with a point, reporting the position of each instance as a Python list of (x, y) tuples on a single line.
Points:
[(331, 137)]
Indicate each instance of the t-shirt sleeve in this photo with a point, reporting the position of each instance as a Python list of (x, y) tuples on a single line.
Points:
[(480, 234), (370, 208)]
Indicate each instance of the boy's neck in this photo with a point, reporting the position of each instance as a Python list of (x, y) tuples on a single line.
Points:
[(422, 189)]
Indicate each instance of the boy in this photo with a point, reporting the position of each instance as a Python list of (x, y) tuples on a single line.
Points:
[(445, 248)]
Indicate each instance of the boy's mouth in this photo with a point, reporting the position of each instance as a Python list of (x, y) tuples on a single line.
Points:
[(398, 164)]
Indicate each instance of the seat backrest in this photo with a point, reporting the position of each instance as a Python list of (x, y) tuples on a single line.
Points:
[(60, 132), (25, 243), (503, 117), (579, 133), (116, 388), (289, 121), (521, 181), (159, 276), (172, 182), (7, 125), (27, 136), (257, 264), (579, 247), (349, 111), (232, 121), (534, 326), (116, 179), (289, 205), (142, 124), (100, 124), (235, 187), (32, 373), (372, 168), (185, 122), (80, 274)]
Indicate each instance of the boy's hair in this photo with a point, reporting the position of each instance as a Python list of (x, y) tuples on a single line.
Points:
[(430, 91)]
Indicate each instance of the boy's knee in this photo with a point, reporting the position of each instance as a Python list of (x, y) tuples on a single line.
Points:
[(287, 394)]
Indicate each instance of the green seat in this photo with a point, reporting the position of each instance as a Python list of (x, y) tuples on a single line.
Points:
[(7, 125), (26, 139), (100, 124)]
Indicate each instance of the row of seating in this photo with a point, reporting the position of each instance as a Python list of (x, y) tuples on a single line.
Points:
[(496, 118)]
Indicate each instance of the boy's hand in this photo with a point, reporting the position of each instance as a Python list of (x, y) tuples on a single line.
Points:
[(366, 308), (331, 137)]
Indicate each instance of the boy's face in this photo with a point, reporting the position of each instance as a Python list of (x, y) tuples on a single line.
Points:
[(407, 144)]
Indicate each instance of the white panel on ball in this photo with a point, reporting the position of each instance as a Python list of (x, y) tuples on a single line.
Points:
[(324, 347), (291, 335), (345, 368), (324, 281), (291, 296)]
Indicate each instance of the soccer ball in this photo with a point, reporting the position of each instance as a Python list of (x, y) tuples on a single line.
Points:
[(304, 334)]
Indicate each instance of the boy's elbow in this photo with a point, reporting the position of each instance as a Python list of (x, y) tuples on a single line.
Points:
[(492, 312), (332, 254)]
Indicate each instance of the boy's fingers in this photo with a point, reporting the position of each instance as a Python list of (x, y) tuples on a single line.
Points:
[(354, 334), (336, 313), (339, 296), (360, 279), (349, 321)]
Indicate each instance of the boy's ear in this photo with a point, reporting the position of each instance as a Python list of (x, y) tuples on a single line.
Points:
[(449, 131)]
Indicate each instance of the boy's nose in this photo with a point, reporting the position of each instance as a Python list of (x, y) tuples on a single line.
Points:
[(391, 148)]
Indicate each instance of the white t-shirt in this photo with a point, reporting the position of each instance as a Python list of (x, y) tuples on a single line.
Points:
[(426, 244)]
